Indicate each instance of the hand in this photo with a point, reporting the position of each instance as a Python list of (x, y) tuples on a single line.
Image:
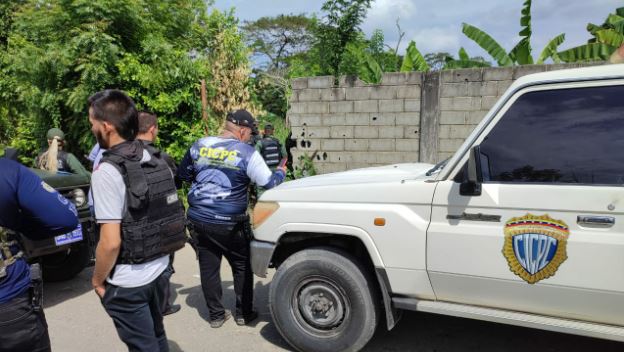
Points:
[(283, 168), (100, 289)]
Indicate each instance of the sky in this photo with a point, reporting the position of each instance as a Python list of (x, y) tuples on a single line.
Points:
[(435, 25)]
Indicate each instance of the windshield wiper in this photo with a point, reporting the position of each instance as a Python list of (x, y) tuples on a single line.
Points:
[(439, 166)]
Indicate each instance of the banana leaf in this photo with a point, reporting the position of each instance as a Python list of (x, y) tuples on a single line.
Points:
[(488, 44), (525, 19), (550, 50), (521, 53), (610, 37), (588, 52), (463, 55), (413, 60), (369, 69)]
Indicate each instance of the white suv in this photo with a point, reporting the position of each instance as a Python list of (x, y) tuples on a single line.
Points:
[(523, 225)]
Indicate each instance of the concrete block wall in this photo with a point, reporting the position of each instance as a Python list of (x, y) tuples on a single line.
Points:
[(408, 117)]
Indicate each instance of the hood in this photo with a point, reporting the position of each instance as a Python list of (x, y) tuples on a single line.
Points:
[(347, 185)]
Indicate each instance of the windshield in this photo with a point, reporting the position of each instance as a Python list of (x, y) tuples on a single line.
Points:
[(438, 167)]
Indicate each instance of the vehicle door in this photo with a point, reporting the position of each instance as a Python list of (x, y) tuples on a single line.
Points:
[(545, 231)]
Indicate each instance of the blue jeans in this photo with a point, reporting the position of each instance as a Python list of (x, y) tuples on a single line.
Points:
[(137, 314)]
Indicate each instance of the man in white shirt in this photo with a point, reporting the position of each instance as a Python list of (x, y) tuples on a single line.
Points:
[(127, 277)]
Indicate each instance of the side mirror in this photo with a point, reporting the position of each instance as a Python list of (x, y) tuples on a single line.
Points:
[(472, 186)]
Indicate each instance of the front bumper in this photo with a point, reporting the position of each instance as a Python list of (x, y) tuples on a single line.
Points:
[(261, 254)]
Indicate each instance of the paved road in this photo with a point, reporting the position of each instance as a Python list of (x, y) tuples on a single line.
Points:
[(78, 323)]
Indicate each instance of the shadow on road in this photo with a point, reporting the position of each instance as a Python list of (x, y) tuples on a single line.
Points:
[(58, 292)]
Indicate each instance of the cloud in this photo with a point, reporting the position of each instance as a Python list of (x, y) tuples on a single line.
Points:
[(435, 39), (389, 10)]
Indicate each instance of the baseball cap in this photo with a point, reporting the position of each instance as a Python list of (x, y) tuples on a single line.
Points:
[(55, 132), (243, 118), (268, 126)]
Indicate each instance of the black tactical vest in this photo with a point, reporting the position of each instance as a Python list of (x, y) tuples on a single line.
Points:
[(271, 151), (153, 221)]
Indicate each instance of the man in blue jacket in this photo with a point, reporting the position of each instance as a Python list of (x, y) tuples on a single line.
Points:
[(221, 169), (33, 208)]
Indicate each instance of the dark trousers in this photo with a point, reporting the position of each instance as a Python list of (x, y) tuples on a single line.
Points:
[(167, 302), (21, 328), (214, 242), (137, 314)]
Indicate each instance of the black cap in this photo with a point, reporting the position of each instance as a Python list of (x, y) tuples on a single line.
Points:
[(243, 118), (268, 126)]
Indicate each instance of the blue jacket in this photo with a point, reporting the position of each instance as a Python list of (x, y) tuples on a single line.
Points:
[(221, 170), (29, 206)]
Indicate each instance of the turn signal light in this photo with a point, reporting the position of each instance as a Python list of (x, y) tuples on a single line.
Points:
[(262, 211), (380, 222)]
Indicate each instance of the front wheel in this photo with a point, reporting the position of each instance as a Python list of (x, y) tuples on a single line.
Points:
[(65, 265), (322, 299)]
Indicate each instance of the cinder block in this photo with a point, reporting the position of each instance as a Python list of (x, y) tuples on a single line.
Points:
[(357, 119), (391, 105), (309, 95), (445, 131), (328, 168), (489, 88), (451, 90), (414, 77), (353, 166), (498, 73), (366, 106), (332, 145), (334, 120), (450, 145), (394, 78), (298, 132), (409, 157), (473, 89), (411, 132), (456, 104), (408, 92), (382, 120), (312, 107), (488, 102), (452, 117), (299, 83), (412, 105), (294, 96), (356, 145), (381, 145), (341, 132), (358, 93), (310, 120), (457, 131), (407, 118), (475, 103), (524, 70), (475, 117), (297, 108), (391, 132), (387, 158), (321, 82), (308, 144), (407, 145), (351, 81), (317, 132), (383, 92), (333, 94), (341, 106), (369, 132), (462, 75), (502, 87), (293, 120)]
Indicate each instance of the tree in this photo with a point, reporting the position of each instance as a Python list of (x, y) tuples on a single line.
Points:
[(521, 53), (278, 38), (413, 60), (464, 61), (606, 39), (339, 27)]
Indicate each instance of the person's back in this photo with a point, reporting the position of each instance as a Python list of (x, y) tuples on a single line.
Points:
[(55, 159), (37, 211)]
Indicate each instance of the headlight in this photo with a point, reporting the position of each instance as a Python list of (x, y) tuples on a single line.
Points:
[(263, 211), (78, 197)]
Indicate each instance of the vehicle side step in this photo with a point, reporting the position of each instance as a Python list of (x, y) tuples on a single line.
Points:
[(609, 332)]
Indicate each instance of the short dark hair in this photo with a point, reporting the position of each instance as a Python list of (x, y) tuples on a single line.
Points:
[(147, 119), (115, 107)]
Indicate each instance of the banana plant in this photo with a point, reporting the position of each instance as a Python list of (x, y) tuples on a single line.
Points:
[(464, 61), (413, 60), (606, 39), (521, 53)]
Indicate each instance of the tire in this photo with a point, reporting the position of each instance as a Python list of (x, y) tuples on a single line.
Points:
[(65, 265), (322, 299)]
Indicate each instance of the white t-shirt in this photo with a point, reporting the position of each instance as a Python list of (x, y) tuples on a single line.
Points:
[(109, 202)]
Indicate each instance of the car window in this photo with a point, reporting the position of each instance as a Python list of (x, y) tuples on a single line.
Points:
[(572, 136)]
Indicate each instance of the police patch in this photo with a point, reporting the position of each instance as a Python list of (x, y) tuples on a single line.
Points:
[(47, 187), (535, 246)]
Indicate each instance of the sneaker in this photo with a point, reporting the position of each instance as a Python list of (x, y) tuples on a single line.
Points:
[(174, 308), (219, 322), (246, 319)]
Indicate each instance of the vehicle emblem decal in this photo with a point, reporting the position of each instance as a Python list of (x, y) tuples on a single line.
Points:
[(535, 246)]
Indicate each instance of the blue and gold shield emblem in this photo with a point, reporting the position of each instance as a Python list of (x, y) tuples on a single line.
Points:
[(535, 246)]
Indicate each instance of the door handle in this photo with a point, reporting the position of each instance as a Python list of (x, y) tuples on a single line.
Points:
[(595, 221)]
